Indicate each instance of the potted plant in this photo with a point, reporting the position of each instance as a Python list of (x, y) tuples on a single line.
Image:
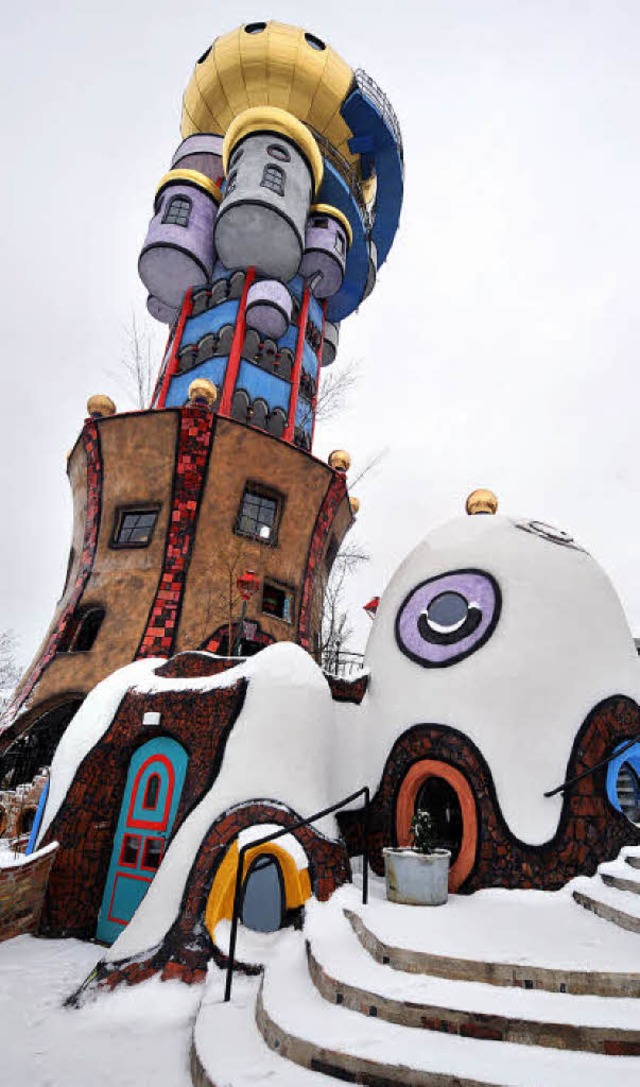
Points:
[(418, 875)]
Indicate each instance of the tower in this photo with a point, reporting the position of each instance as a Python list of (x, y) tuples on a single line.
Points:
[(279, 205)]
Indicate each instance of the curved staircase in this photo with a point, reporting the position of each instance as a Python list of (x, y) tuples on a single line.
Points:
[(480, 993)]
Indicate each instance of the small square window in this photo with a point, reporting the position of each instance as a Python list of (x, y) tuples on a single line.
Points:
[(134, 527), (277, 601), (258, 515), (130, 850), (152, 853)]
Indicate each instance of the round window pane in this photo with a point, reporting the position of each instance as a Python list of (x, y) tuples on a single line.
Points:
[(277, 151), (254, 28), (315, 43)]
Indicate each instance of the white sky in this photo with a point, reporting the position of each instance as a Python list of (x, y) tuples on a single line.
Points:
[(501, 344)]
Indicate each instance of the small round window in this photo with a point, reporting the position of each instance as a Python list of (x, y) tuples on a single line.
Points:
[(314, 42), (255, 28), (277, 151)]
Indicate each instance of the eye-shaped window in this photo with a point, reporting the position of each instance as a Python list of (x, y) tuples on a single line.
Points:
[(549, 533), (448, 617)]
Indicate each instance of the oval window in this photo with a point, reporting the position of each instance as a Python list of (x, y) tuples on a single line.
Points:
[(448, 617), (255, 28), (315, 43), (277, 151), (440, 799)]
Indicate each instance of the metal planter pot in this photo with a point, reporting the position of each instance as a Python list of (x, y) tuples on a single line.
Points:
[(417, 879)]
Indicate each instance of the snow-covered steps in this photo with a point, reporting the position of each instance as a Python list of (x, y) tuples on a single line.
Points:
[(524, 939), (345, 975), (297, 1023), (609, 902), (622, 873)]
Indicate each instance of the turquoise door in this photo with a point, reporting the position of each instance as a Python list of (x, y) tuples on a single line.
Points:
[(151, 798)]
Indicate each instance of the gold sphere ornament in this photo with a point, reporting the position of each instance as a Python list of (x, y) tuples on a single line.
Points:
[(340, 460), (482, 501), (355, 504), (100, 406), (202, 391)]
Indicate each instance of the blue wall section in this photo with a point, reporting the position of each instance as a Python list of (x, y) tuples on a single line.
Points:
[(210, 321), (335, 191), (213, 369), (258, 382)]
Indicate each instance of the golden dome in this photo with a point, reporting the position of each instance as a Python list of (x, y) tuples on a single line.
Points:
[(203, 389), (273, 119), (482, 501), (270, 64), (355, 504), (340, 460), (100, 405)]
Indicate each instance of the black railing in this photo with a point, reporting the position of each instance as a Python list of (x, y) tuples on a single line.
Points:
[(341, 662), (592, 769), (280, 834)]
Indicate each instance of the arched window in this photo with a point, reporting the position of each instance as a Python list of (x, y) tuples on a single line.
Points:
[(151, 792), (178, 211), (231, 181), (273, 179)]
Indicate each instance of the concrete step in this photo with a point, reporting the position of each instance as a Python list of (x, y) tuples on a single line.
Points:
[(621, 873), (296, 1022), (345, 975), (561, 979), (622, 907)]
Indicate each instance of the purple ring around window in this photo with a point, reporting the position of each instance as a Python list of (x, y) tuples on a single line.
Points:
[(481, 592)]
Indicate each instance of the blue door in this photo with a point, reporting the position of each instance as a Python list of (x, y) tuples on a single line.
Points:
[(151, 798)]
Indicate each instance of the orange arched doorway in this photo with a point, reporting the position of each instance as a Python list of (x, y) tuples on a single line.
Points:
[(420, 774)]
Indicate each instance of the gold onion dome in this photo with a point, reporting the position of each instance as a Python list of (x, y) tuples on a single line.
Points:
[(100, 405), (482, 501), (270, 64), (203, 389), (340, 460), (355, 504)]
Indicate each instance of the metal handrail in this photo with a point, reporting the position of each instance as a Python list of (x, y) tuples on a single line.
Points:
[(346, 170), (280, 834), (592, 769)]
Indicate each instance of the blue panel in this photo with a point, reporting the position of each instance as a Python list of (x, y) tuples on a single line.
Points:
[(335, 191), (289, 339), (364, 119), (304, 415), (315, 311), (31, 844), (309, 360), (632, 756), (213, 369), (262, 905), (275, 390), (209, 321)]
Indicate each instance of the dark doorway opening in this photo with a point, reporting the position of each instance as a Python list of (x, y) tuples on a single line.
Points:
[(36, 747), (264, 897), (440, 799)]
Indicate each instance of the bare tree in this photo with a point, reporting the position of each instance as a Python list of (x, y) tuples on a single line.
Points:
[(336, 628), (9, 668), (139, 363), (334, 389)]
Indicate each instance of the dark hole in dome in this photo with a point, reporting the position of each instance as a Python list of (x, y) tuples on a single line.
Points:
[(204, 56), (447, 609), (315, 43), (440, 799), (255, 28)]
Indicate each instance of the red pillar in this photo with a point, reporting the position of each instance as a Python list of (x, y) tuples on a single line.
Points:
[(297, 367)]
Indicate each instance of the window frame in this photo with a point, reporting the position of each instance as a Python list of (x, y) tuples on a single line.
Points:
[(288, 591), (258, 490), (270, 172), (121, 512), (189, 208)]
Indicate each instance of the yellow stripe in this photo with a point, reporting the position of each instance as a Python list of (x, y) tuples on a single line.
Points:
[(334, 213), (195, 178)]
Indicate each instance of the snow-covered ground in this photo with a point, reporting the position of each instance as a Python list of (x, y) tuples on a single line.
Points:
[(128, 1038)]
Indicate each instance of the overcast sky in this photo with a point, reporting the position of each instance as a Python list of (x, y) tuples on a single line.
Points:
[(501, 345)]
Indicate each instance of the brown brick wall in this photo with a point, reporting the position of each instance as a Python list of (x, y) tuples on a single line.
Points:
[(22, 890)]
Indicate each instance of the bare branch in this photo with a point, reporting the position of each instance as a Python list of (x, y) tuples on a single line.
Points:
[(137, 370), (372, 463), (334, 388)]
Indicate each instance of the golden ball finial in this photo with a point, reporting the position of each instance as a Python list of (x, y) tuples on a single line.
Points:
[(482, 501), (355, 504), (100, 406), (202, 391), (340, 460)]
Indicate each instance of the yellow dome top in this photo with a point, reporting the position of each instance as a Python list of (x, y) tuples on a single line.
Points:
[(482, 501), (269, 64)]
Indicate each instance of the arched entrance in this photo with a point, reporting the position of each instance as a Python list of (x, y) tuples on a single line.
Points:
[(263, 899), (151, 797), (445, 793), (36, 746)]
